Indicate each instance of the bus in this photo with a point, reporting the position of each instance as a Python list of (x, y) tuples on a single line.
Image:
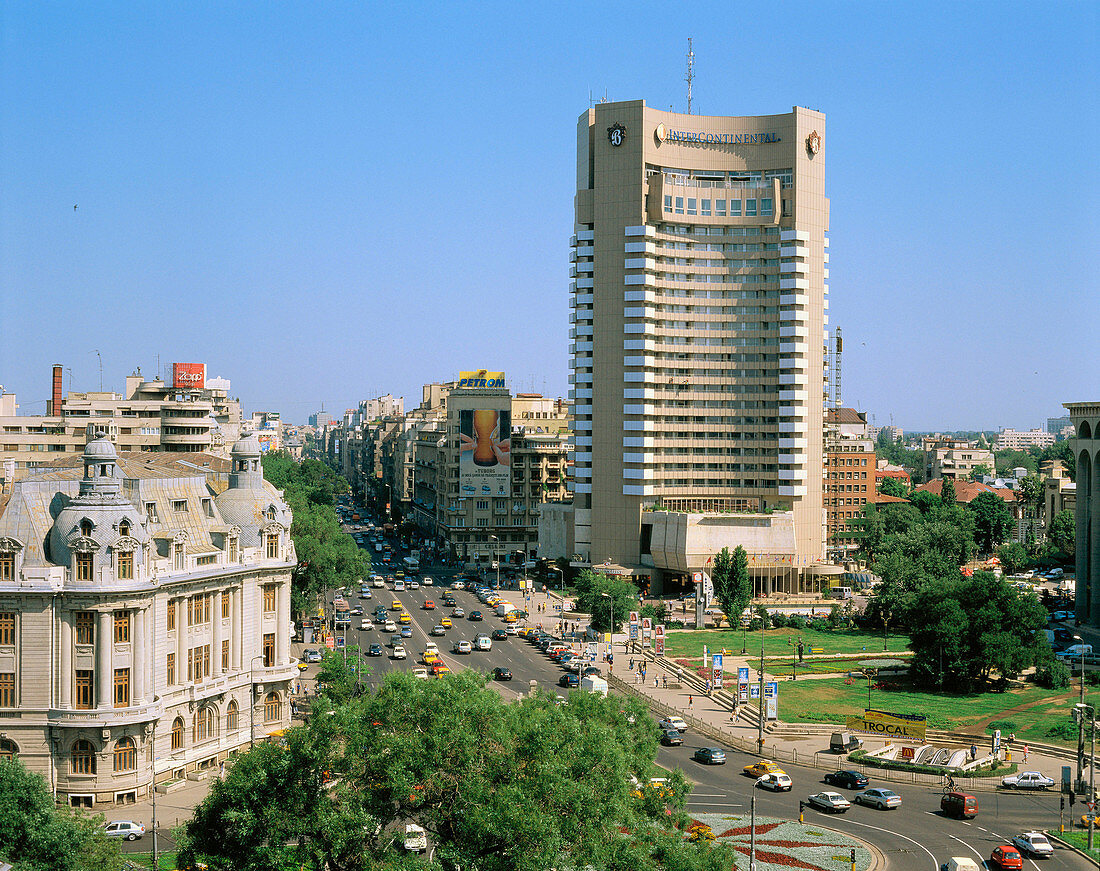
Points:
[(341, 613), (412, 565)]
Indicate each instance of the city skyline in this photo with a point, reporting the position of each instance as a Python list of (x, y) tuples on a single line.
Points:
[(178, 179)]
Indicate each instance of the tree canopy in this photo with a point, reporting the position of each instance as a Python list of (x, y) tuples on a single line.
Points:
[(1063, 532), (992, 521), (37, 835), (526, 784), (593, 587), (893, 487), (730, 576)]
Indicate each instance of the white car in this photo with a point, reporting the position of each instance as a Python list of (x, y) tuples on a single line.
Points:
[(833, 802), (676, 723), (420, 673), (366, 624), (510, 628), (377, 582), (426, 581), (414, 585), (390, 626), (458, 612), (1033, 844), (776, 782), (398, 652), (126, 829), (483, 642), (883, 799), (462, 647), (1027, 780)]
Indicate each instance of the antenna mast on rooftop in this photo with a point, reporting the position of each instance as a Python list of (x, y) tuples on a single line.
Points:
[(690, 77)]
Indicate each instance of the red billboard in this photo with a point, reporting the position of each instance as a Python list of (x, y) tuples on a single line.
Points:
[(189, 376)]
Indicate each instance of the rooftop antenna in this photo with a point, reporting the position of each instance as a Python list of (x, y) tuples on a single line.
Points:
[(690, 77), (591, 99), (100, 370)]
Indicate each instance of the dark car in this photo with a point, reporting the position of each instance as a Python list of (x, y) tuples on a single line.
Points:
[(499, 635), (846, 779), (671, 738), (591, 671), (475, 615), (395, 640), (569, 680), (710, 756), (374, 650), (501, 674)]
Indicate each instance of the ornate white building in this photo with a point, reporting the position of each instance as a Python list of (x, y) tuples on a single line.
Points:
[(144, 618)]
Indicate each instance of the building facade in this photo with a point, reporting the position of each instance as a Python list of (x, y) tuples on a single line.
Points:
[(1017, 440), (946, 457), (144, 619), (850, 475), (1086, 448), (699, 267)]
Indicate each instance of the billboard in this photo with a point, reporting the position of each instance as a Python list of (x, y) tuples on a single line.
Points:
[(901, 727), (485, 442), (188, 376), (479, 379)]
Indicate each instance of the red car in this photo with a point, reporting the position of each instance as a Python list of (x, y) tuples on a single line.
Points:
[(429, 605), (1006, 857)]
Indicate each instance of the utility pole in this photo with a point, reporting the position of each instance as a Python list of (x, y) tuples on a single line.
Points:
[(760, 724), (153, 787)]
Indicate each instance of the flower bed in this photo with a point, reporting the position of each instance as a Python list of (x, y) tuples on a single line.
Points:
[(785, 844)]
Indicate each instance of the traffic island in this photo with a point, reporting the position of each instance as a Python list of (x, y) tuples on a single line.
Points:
[(784, 844)]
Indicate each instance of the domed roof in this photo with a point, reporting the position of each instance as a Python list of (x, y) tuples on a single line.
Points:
[(100, 449), (246, 446)]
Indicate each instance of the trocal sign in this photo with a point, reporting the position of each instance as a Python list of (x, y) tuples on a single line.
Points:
[(901, 727)]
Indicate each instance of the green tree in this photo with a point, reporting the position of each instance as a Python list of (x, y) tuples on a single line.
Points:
[(1062, 451), (593, 589), (37, 835), (1063, 532), (947, 493), (730, 576), (1031, 492), (893, 487), (979, 471), (1007, 460), (992, 521), (527, 784), (1013, 557)]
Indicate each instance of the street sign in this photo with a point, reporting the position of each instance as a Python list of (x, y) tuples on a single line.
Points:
[(716, 667), (754, 691), (697, 577), (633, 632)]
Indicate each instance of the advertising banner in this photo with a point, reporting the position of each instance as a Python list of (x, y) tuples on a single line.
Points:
[(899, 727), (188, 376), (485, 441), (716, 671), (771, 708), (771, 689), (480, 379), (633, 618), (633, 632), (659, 639)]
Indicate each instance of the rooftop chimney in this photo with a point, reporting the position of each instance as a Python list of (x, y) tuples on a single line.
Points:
[(55, 403)]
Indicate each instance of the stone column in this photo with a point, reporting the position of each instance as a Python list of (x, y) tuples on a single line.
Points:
[(104, 643), (1092, 543), (181, 641), (235, 629), (66, 676), (216, 653), (282, 624), (137, 669)]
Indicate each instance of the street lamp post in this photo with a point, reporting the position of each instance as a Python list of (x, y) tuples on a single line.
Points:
[(611, 619), (1081, 710), (1081, 722), (752, 828), (252, 700), (496, 557), (760, 724)]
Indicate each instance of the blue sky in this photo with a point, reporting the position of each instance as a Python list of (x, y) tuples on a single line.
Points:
[(328, 201)]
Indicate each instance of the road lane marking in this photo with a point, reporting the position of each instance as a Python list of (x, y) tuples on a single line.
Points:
[(971, 849), (935, 864)]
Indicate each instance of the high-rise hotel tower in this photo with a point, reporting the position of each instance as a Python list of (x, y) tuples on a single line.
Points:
[(699, 289)]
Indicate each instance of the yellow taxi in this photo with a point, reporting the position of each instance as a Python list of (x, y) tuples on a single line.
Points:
[(405, 617), (430, 657), (446, 623), (762, 767), (511, 618), (396, 605)]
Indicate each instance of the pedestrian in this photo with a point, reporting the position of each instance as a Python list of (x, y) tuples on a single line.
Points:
[(1025, 753), (221, 771), (664, 681), (973, 752), (691, 701), (654, 681), (630, 665)]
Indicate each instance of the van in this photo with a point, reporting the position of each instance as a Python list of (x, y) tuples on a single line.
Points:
[(1076, 650), (841, 592), (960, 805), (960, 863), (844, 742), (1056, 573)]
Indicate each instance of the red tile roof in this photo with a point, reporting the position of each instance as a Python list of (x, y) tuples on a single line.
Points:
[(845, 415), (967, 491)]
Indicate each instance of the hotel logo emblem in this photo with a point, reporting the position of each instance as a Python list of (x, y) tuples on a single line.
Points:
[(616, 134), (813, 143)]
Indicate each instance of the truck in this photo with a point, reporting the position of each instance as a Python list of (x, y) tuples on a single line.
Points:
[(593, 684), (416, 839), (505, 608), (412, 565)]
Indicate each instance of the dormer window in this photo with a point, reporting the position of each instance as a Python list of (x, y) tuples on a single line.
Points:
[(271, 513), (123, 528), (86, 528)]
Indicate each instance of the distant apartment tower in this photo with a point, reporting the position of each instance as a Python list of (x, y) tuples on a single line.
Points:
[(1016, 440), (946, 457), (698, 295)]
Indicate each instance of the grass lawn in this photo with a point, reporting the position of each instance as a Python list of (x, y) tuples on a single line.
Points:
[(166, 860), (781, 642), (825, 665), (830, 700), (1080, 837)]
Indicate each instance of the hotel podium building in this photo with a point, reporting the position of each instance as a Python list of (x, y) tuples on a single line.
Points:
[(144, 618), (699, 298)]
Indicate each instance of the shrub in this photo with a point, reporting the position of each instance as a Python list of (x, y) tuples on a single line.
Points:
[(778, 620), (835, 617), (1052, 675), (797, 621), (1006, 726), (1066, 730)]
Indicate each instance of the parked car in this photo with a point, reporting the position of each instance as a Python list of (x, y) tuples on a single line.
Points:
[(846, 779), (883, 799), (777, 781), (1027, 780), (126, 829), (832, 802), (673, 722), (1033, 844), (571, 680), (710, 756), (669, 737)]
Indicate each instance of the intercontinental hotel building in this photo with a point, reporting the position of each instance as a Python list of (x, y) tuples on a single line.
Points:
[(699, 300)]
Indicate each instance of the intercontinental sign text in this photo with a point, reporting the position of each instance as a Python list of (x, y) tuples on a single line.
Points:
[(721, 138)]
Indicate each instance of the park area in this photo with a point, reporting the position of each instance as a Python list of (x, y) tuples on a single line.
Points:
[(688, 644)]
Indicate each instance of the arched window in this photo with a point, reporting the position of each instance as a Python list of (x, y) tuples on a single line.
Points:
[(83, 757), (233, 717), (86, 527), (204, 725), (124, 527), (8, 750), (271, 512), (125, 755), (272, 708), (177, 733)]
